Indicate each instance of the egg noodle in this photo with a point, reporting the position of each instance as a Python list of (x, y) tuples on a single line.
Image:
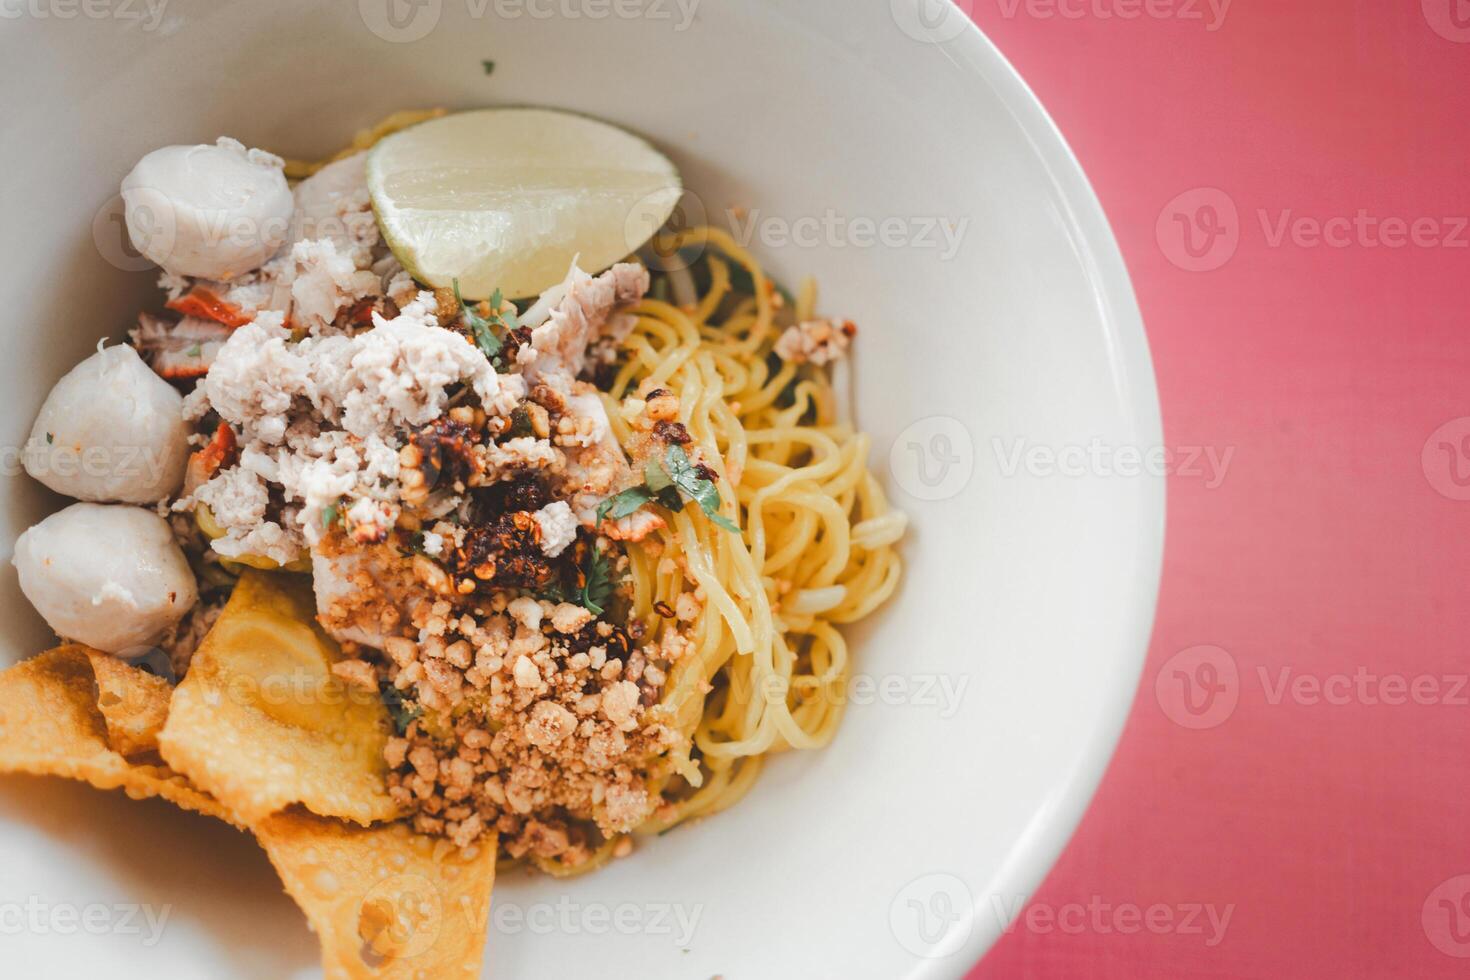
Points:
[(769, 669)]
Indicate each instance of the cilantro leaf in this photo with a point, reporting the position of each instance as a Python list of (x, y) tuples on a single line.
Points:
[(680, 470), (656, 476), (669, 483), (597, 585), (481, 327), (665, 492), (622, 504), (330, 513), (509, 320), (685, 475), (598, 589), (718, 519)]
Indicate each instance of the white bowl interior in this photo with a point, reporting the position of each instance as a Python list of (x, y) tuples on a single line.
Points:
[(1029, 596)]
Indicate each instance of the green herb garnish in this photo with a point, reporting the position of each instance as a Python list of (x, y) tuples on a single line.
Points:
[(330, 513), (483, 327), (597, 591), (656, 476), (520, 423), (399, 710), (622, 504), (194, 351), (597, 588), (669, 483), (684, 475), (508, 320)]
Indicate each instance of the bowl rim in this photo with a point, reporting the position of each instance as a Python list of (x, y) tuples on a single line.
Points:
[(1033, 856)]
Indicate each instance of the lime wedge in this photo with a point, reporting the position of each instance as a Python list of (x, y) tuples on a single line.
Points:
[(506, 198)]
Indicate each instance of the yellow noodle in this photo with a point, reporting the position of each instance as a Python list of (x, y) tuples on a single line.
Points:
[(759, 679)]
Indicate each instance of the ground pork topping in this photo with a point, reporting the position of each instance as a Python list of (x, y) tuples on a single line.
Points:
[(325, 281), (558, 527), (815, 341), (321, 419), (398, 373), (579, 310)]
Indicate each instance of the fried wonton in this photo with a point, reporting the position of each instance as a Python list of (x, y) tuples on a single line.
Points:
[(133, 702), (51, 725), (260, 722), (385, 903)]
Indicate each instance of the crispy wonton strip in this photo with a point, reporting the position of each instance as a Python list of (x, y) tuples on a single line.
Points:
[(50, 725), (133, 702), (385, 903), (260, 722)]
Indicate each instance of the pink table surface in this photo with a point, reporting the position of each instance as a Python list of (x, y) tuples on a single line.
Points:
[(1296, 757)]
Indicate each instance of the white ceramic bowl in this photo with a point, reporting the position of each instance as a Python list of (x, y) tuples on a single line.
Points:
[(1004, 669)]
